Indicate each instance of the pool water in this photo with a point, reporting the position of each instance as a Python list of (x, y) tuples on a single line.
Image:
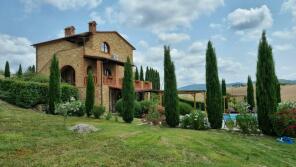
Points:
[(230, 116)]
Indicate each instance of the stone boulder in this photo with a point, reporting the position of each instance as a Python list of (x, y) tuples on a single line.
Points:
[(83, 128)]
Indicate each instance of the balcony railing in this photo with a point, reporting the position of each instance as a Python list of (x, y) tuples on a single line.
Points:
[(117, 83)]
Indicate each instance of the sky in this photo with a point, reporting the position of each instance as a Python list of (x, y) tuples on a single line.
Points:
[(234, 27)]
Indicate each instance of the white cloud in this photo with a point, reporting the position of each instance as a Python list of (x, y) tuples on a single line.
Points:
[(96, 17), (290, 6), (242, 19), (164, 15), (218, 37), (285, 34), (173, 37), (189, 64), (283, 47), (250, 22), (16, 50), (60, 4)]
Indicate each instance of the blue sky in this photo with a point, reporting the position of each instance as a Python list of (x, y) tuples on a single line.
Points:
[(234, 26)]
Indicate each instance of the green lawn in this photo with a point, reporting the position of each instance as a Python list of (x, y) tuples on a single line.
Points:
[(29, 138)]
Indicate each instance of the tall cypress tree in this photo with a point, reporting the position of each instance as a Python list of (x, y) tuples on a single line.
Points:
[(224, 98), (250, 93), (266, 86), (147, 74), (213, 100), (278, 91), (141, 74), (90, 94), (137, 74), (20, 71), (170, 91), (54, 91), (7, 70), (128, 93)]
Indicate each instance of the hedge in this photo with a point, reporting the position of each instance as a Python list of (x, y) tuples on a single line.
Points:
[(27, 94), (199, 105)]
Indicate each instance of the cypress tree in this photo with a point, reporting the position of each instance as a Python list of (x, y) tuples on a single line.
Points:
[(141, 74), (278, 91), (147, 74), (137, 74), (170, 91), (213, 100), (20, 71), (90, 94), (224, 100), (250, 93), (7, 70), (128, 93), (266, 86), (54, 91)]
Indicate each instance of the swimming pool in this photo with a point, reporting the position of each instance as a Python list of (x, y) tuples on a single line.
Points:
[(230, 116)]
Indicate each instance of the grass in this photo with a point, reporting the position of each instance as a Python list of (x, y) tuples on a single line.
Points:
[(28, 138)]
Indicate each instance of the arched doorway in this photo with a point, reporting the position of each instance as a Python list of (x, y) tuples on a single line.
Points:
[(68, 75)]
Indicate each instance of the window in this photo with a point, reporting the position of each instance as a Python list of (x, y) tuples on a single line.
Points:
[(105, 47)]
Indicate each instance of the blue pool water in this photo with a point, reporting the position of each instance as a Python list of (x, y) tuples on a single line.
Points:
[(230, 116)]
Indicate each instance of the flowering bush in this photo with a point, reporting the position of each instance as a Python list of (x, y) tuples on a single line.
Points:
[(71, 108), (195, 120), (285, 119)]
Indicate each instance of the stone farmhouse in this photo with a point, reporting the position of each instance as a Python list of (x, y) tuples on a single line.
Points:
[(103, 52)]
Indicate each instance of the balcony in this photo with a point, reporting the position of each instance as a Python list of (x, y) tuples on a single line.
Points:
[(117, 83)]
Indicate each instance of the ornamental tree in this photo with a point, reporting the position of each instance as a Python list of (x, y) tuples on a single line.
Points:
[(54, 91), (90, 94)]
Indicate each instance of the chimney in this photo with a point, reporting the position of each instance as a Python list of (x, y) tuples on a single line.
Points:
[(92, 26), (69, 31)]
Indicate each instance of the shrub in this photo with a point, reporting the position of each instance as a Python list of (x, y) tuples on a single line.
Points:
[(71, 108), (195, 120), (185, 108), (146, 105), (99, 111), (54, 88), (28, 94), (153, 115), (138, 111), (229, 124), (108, 116), (284, 120), (247, 123)]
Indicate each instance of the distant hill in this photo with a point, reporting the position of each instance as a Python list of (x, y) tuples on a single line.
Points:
[(235, 84), (287, 82), (203, 86)]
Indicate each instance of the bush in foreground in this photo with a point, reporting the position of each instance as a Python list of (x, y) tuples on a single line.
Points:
[(195, 120), (71, 108)]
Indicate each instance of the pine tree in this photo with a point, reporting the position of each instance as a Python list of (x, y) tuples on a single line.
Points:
[(54, 92), (137, 74), (20, 71), (128, 93), (224, 98), (141, 74), (90, 94), (7, 70), (250, 93), (170, 91), (213, 100), (266, 86), (278, 91)]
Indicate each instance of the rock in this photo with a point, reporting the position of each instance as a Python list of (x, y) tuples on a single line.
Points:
[(83, 128)]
